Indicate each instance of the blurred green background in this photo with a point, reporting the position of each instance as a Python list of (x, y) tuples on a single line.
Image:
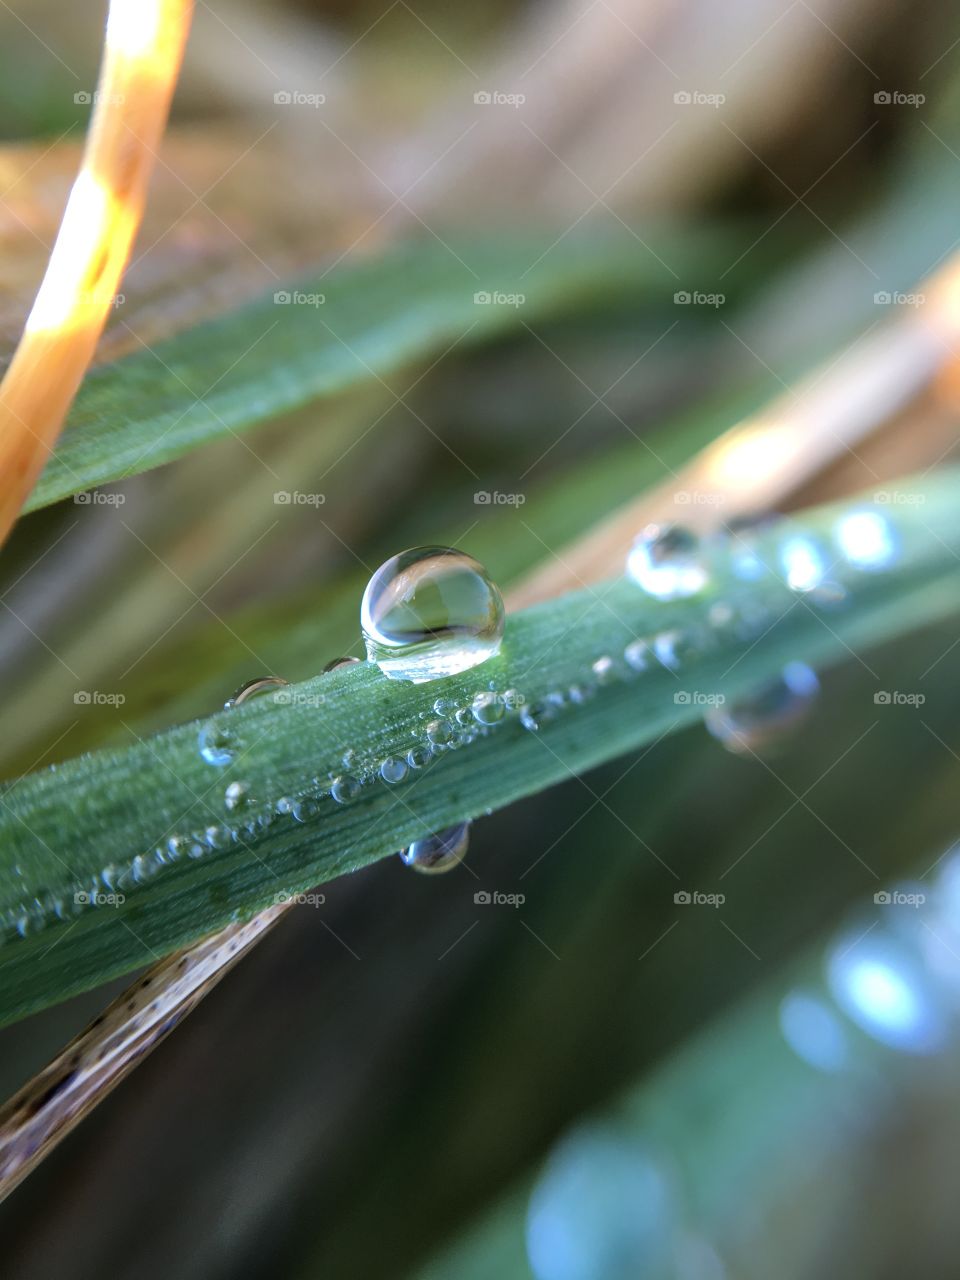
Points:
[(600, 1084)]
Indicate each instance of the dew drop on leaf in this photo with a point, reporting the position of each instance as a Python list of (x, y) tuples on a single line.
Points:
[(441, 851), (666, 562), (431, 612)]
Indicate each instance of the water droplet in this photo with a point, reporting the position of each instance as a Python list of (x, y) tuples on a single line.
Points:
[(439, 852), (393, 770), (344, 788), (262, 684), (431, 612), (513, 699), (339, 662), (349, 758), (803, 564), (445, 707), (867, 540), (487, 708), (666, 562), (218, 743), (604, 669), (285, 805), (440, 733), (759, 721), (235, 796), (541, 711), (637, 655), (304, 809), (418, 757), (176, 847)]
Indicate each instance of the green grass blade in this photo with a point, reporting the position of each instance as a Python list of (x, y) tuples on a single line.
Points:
[(376, 316), (124, 805)]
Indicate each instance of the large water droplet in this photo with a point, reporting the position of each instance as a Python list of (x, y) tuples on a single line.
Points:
[(666, 562), (431, 612), (760, 720), (487, 708), (439, 852), (344, 788), (867, 539), (393, 769)]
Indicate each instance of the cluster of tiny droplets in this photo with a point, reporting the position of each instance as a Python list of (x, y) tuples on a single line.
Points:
[(864, 540)]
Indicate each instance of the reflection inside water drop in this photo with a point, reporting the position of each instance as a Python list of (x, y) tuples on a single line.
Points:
[(760, 720), (666, 562), (439, 852), (431, 612)]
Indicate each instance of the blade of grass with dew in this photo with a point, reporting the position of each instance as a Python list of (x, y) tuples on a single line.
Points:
[(160, 793)]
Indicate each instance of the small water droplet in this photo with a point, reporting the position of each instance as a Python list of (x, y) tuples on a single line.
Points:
[(344, 788), (439, 852), (304, 809), (393, 770), (666, 562), (759, 721), (431, 612), (604, 670), (218, 743), (418, 757), (339, 662), (637, 655), (285, 805), (236, 795), (445, 707), (513, 699), (440, 733), (487, 708), (262, 684), (803, 563)]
